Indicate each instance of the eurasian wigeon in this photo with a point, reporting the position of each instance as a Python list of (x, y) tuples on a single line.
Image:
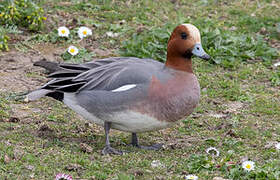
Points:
[(132, 94)]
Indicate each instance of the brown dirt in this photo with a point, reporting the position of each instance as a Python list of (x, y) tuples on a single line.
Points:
[(14, 69), (19, 76)]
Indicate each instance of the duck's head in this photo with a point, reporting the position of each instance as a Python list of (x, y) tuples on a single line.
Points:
[(184, 42)]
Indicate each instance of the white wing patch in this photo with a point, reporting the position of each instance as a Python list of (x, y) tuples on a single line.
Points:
[(124, 88)]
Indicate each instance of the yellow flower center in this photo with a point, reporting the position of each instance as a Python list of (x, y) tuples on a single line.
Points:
[(85, 32), (248, 166), (191, 177), (72, 50), (63, 31)]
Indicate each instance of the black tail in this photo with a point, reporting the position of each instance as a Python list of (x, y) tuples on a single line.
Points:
[(48, 65)]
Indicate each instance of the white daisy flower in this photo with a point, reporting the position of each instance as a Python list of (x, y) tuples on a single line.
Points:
[(277, 146), (73, 50), (216, 152), (276, 64), (61, 176), (248, 165), (112, 34), (84, 32), (156, 164), (192, 177), (63, 31)]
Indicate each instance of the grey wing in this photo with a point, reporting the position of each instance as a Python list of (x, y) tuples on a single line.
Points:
[(100, 102), (106, 74), (93, 89)]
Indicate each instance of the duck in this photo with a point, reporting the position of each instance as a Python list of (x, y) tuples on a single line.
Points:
[(131, 94)]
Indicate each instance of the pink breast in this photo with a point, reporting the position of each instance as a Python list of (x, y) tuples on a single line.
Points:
[(171, 100)]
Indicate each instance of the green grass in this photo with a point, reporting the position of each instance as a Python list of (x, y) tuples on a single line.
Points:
[(238, 112), (4, 108), (224, 46)]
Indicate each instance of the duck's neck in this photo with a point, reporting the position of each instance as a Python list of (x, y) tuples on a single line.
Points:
[(179, 63)]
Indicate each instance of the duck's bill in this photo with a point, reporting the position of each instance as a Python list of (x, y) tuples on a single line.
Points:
[(199, 52)]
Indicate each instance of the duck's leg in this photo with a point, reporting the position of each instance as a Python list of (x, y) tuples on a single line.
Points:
[(108, 149), (134, 142)]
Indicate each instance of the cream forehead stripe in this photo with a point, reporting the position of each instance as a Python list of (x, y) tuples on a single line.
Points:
[(194, 32)]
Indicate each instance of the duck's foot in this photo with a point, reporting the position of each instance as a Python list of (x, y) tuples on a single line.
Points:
[(134, 142), (154, 147), (110, 150)]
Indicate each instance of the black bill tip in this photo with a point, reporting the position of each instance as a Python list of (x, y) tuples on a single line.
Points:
[(206, 57)]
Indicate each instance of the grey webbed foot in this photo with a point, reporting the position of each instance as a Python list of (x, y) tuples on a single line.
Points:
[(134, 142), (110, 150), (152, 147)]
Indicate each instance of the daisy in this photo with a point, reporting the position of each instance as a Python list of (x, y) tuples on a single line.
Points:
[(84, 32), (156, 163), (216, 152), (248, 165), (63, 31), (61, 176), (276, 64), (112, 34), (73, 50), (192, 177), (277, 146)]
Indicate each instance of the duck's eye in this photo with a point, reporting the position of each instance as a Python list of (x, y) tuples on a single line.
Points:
[(184, 35)]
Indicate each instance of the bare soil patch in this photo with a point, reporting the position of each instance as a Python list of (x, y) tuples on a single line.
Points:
[(14, 67)]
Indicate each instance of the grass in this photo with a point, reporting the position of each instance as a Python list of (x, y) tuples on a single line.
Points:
[(224, 46), (4, 111), (238, 112)]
